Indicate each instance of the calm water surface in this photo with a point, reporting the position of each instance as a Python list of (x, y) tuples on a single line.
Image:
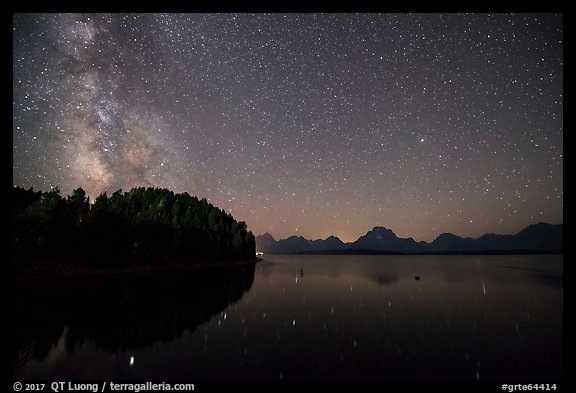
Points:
[(303, 317)]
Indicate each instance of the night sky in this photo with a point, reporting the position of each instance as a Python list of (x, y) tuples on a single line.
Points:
[(301, 124)]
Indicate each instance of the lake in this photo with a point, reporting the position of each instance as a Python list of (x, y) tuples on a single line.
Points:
[(303, 317)]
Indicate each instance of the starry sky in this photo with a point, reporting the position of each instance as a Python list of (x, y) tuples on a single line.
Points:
[(301, 124)]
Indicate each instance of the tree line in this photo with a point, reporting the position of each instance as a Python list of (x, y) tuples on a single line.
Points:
[(154, 224)]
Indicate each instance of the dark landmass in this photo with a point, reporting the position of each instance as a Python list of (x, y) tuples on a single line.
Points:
[(493, 252), (143, 229), (355, 251), (351, 251), (540, 238), (35, 271)]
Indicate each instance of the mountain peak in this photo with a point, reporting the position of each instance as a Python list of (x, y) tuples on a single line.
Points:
[(541, 226), (381, 233), (267, 236), (381, 229), (447, 236)]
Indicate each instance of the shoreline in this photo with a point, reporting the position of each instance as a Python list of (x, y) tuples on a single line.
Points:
[(39, 271)]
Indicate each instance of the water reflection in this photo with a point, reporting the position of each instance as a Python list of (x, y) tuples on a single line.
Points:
[(122, 314), (310, 317), (417, 317)]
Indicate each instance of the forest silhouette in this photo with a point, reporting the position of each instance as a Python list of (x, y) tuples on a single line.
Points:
[(154, 225)]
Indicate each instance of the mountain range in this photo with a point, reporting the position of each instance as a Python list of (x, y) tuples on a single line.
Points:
[(534, 238)]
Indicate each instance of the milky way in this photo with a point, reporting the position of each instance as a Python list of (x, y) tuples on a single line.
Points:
[(301, 124)]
